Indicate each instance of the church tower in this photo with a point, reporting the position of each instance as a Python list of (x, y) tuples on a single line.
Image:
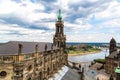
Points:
[(112, 47), (59, 37)]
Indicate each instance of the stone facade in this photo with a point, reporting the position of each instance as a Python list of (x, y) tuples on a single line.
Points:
[(113, 60), (33, 60)]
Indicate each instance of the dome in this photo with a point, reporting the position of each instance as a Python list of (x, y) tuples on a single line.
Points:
[(112, 40), (117, 70), (59, 17)]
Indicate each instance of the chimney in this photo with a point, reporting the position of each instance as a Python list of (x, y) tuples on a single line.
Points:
[(20, 46), (36, 48), (45, 47)]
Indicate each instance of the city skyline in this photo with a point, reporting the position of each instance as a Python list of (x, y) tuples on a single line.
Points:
[(84, 20)]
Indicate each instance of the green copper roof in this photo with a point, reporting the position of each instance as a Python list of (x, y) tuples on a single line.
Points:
[(59, 15), (117, 70)]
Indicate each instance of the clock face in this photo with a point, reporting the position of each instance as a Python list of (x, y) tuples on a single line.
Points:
[(3, 74)]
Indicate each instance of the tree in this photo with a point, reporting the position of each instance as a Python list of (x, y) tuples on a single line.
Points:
[(71, 47)]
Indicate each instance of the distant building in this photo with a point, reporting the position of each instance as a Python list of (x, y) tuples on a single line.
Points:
[(33, 60), (113, 60), (112, 47)]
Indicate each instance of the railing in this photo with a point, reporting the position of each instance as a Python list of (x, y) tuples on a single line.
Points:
[(6, 58)]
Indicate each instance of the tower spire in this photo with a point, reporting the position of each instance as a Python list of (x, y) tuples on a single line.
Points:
[(59, 39), (59, 15)]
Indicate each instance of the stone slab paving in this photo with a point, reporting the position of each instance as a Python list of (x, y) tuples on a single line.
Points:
[(91, 73)]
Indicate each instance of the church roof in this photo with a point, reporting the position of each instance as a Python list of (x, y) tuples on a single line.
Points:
[(71, 75), (114, 54), (11, 48), (112, 40)]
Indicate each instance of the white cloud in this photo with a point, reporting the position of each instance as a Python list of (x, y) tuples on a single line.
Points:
[(24, 10), (112, 11), (26, 34), (77, 26), (99, 37), (76, 15), (114, 23)]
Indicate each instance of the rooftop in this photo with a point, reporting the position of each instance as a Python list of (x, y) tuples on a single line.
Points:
[(11, 47), (66, 73), (114, 54)]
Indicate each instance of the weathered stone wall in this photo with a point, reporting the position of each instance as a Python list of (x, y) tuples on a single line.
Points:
[(6, 71)]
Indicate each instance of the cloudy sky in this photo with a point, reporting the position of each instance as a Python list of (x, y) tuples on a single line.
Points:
[(84, 20)]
